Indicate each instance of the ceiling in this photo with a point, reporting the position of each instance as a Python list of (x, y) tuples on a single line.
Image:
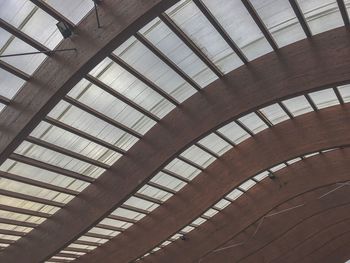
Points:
[(121, 142)]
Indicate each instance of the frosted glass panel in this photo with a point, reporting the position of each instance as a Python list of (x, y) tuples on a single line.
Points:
[(235, 19), (321, 15), (189, 18), (280, 19)]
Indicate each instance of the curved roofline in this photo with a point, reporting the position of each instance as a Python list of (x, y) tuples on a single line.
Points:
[(270, 78), (294, 181), (267, 149)]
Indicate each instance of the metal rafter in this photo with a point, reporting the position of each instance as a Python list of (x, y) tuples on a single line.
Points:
[(22, 36), (167, 61), (227, 174), (215, 23), (15, 71), (260, 24), (143, 79), (344, 12), (52, 12), (299, 14), (195, 49), (300, 57), (295, 184), (121, 97)]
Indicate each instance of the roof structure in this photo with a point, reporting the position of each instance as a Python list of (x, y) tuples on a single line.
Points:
[(174, 131)]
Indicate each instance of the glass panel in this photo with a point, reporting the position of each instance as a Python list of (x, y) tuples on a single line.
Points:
[(235, 133), (215, 144), (324, 98), (72, 142), (177, 51), (233, 195), (298, 105), (274, 113), (128, 214), (28, 63), (247, 185), (222, 204), (280, 19), (235, 19), (9, 84), (321, 15), (140, 203), (154, 192), (195, 25), (181, 168), (261, 176), (168, 181), (198, 156), (110, 106), (145, 62), (199, 221), (294, 160), (277, 167), (345, 92), (83, 121), (73, 10), (57, 159), (45, 176), (253, 123), (210, 213)]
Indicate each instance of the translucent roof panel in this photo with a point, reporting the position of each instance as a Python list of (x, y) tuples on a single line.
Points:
[(96, 127), (280, 19), (73, 10), (20, 10), (42, 27), (110, 106), (57, 159), (9, 84), (198, 156), (235, 19), (168, 181), (126, 84), (298, 105), (345, 92), (215, 144), (321, 15), (274, 113), (324, 98), (253, 123), (197, 27), (171, 46), (148, 64), (28, 171), (72, 142), (234, 132), (183, 169), (29, 63)]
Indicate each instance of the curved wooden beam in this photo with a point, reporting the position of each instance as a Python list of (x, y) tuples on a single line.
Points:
[(335, 251), (60, 72), (324, 129), (326, 59), (279, 237), (310, 234), (299, 178)]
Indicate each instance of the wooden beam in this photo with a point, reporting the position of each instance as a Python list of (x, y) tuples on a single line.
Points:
[(267, 149), (52, 12), (15, 71), (22, 36), (218, 104), (301, 18), (195, 49), (167, 61), (51, 168), (121, 97), (260, 24), (215, 23), (36, 183), (143, 79)]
